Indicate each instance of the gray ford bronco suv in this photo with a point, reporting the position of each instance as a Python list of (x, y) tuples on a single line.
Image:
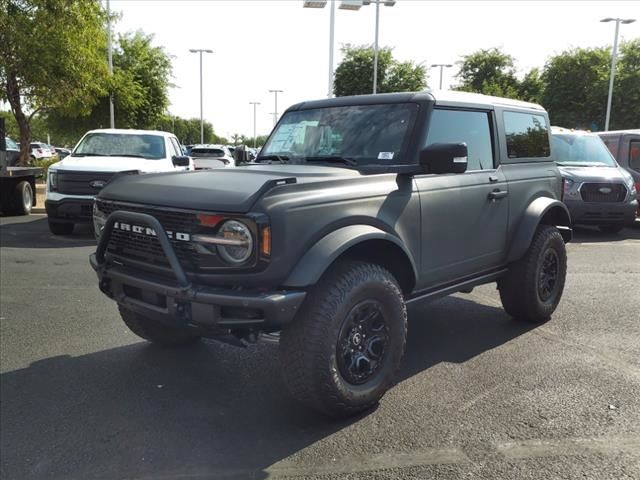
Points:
[(355, 208)]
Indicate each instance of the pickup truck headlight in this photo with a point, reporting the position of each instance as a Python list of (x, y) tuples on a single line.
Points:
[(52, 180), (233, 242), (99, 220)]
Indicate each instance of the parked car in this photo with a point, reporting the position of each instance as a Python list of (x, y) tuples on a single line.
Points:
[(13, 152), (40, 151), (211, 156), (356, 207), (73, 182), (597, 190), (62, 152), (624, 145)]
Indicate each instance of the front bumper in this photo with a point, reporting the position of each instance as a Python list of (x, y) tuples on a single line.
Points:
[(70, 210), (585, 213), (178, 302)]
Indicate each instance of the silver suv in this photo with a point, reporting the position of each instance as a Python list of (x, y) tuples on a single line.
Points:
[(597, 190)]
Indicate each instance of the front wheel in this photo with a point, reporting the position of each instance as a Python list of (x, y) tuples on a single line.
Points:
[(341, 353), (532, 288), (23, 198)]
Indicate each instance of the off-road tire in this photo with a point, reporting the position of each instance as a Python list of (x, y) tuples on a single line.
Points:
[(22, 200), (309, 345), (610, 228), (519, 289), (60, 228), (155, 331)]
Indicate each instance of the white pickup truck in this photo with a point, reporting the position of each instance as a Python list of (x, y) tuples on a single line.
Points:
[(73, 182)]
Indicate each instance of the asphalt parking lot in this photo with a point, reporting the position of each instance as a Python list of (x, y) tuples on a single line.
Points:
[(479, 396)]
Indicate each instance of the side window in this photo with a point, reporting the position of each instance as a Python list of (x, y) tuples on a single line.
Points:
[(471, 127), (527, 135), (11, 145), (176, 147), (634, 155), (612, 145)]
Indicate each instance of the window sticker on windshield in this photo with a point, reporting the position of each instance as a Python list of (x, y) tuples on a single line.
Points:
[(385, 156)]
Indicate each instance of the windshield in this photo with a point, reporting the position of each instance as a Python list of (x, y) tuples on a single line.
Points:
[(581, 150), (363, 133), (207, 152), (121, 145)]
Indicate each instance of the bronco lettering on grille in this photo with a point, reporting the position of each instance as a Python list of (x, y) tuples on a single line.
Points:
[(150, 232)]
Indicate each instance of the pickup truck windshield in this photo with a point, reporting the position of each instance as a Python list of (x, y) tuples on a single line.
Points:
[(121, 145), (581, 150), (358, 133)]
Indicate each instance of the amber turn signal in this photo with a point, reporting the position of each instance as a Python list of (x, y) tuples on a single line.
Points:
[(265, 244)]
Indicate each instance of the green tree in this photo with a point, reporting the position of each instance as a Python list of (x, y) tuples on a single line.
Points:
[(625, 104), (51, 56), (140, 86), (491, 72), (188, 130), (531, 87), (576, 84), (354, 75)]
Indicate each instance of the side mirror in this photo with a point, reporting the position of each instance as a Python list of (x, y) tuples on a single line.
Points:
[(181, 161), (444, 158)]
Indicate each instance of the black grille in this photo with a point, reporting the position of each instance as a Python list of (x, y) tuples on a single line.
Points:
[(82, 183), (603, 192), (147, 249)]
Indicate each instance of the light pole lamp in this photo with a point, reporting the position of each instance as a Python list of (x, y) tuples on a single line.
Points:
[(442, 67), (255, 104), (614, 59), (201, 51), (344, 5), (275, 112), (355, 5)]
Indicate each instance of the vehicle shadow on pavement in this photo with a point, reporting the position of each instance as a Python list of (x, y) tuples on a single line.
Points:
[(586, 234), (35, 233), (140, 411)]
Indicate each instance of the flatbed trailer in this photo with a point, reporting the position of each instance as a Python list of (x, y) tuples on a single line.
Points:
[(17, 184)]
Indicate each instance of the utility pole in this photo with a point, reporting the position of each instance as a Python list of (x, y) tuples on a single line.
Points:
[(255, 104), (201, 51), (275, 112), (442, 67), (112, 121)]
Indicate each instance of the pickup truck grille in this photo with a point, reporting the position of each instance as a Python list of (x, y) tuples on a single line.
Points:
[(603, 192), (82, 183)]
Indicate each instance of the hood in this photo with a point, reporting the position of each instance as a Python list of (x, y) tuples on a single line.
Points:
[(592, 174), (109, 164), (232, 190)]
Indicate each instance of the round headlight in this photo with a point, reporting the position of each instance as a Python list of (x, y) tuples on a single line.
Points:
[(239, 247)]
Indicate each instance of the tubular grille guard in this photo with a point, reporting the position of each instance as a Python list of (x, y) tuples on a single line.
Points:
[(161, 235)]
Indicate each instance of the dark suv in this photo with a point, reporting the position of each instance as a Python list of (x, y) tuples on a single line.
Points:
[(356, 207)]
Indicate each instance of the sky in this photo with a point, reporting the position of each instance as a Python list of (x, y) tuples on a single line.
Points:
[(260, 45)]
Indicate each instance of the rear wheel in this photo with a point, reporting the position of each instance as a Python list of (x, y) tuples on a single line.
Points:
[(610, 228), (155, 331), (22, 198), (341, 353), (532, 288), (60, 228)]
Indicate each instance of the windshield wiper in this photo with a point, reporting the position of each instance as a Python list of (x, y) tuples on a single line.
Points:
[(132, 155), (279, 158), (87, 155), (333, 158)]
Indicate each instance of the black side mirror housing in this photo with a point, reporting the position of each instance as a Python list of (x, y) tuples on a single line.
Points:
[(181, 160), (444, 158)]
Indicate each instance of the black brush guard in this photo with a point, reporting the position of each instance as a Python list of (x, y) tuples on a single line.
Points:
[(181, 302)]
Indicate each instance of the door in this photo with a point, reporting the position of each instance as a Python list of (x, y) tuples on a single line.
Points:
[(464, 216)]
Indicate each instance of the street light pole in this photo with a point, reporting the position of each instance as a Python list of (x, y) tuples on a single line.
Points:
[(375, 51), (201, 51), (112, 122), (275, 112), (442, 66), (614, 59), (255, 104)]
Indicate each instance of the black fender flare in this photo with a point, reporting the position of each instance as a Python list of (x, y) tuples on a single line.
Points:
[(543, 210), (318, 258)]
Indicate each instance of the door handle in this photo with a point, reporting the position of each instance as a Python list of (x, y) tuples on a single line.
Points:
[(498, 194), (493, 179)]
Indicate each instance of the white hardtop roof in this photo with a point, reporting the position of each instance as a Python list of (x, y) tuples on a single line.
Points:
[(444, 97), (130, 131), (620, 132)]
